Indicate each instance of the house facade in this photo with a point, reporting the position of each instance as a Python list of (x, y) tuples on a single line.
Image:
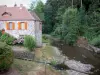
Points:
[(17, 21)]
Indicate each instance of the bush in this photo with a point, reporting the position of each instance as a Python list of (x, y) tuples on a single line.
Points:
[(10, 40), (29, 42), (4, 37), (53, 63), (7, 38), (6, 56), (45, 39), (96, 41)]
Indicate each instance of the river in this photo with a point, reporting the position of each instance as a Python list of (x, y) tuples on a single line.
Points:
[(80, 54)]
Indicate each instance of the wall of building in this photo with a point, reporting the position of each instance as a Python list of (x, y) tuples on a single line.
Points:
[(38, 32), (31, 30)]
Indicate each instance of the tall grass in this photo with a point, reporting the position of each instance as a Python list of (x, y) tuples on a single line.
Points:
[(29, 42)]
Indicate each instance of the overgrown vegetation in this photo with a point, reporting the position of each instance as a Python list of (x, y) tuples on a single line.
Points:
[(96, 41), (45, 39), (7, 38), (6, 56), (29, 42), (70, 19)]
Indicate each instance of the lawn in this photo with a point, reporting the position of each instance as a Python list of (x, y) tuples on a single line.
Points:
[(32, 68), (25, 67)]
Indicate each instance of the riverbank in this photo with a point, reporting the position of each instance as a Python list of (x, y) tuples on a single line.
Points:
[(79, 54), (53, 55), (37, 66)]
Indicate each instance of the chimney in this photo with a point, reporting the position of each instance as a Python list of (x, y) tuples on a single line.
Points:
[(21, 6), (5, 5), (15, 5)]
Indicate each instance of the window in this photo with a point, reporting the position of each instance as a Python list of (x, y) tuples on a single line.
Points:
[(22, 25), (10, 25)]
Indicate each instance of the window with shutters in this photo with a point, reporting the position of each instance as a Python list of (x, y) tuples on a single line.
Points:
[(10, 25), (22, 25)]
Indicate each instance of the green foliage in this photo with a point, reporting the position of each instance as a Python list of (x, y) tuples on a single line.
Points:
[(71, 26), (32, 6), (6, 56), (4, 37), (29, 42), (53, 62), (45, 39), (69, 23), (39, 9), (10, 40), (96, 41), (68, 30), (7, 38)]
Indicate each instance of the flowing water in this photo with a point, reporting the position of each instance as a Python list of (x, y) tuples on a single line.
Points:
[(80, 54)]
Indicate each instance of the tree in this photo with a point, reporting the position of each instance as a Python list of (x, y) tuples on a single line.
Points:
[(39, 9), (32, 6)]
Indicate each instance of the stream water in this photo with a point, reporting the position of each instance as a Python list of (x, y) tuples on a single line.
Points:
[(80, 54)]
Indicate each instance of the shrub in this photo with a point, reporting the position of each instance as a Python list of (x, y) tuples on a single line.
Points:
[(45, 39), (53, 63), (6, 56), (29, 42), (4, 37), (96, 41), (10, 40), (7, 38)]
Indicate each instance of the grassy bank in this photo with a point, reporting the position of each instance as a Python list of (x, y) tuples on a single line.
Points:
[(45, 53)]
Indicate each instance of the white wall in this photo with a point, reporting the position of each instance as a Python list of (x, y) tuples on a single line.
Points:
[(38, 33), (31, 30)]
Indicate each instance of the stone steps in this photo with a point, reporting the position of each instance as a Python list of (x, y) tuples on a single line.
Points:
[(25, 55)]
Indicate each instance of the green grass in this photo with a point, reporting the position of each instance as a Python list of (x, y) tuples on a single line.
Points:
[(48, 51), (45, 39), (24, 66)]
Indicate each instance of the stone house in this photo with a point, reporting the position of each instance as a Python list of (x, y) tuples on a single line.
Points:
[(18, 21)]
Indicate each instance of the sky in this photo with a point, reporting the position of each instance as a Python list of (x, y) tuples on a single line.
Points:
[(10, 3)]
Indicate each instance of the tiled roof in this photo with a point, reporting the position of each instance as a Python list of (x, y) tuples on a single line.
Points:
[(35, 16), (17, 13)]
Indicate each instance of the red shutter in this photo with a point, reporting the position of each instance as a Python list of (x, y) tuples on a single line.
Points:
[(7, 25), (19, 26), (26, 25)]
